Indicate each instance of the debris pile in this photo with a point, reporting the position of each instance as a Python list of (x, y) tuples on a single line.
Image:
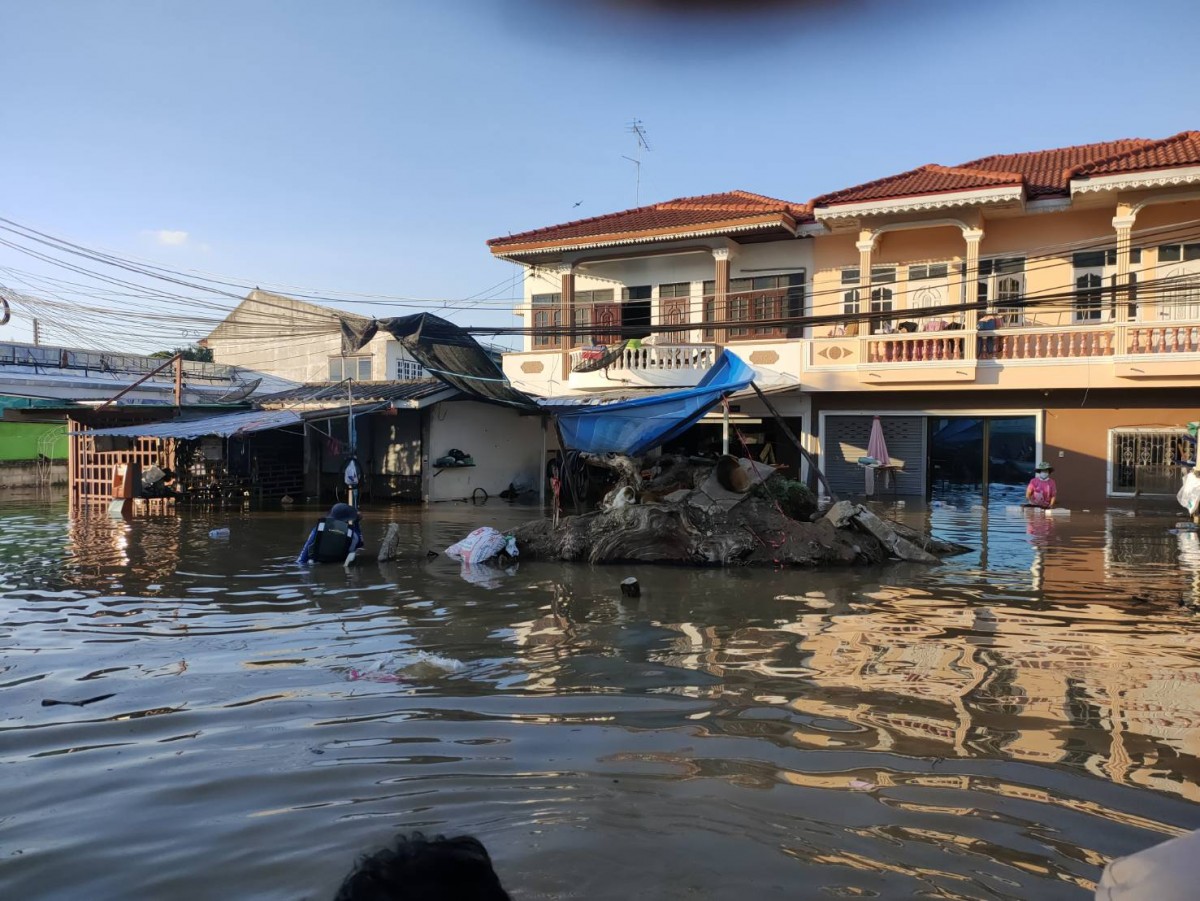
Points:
[(733, 513)]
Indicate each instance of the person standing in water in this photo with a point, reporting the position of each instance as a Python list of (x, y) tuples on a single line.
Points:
[(1042, 492), (336, 538)]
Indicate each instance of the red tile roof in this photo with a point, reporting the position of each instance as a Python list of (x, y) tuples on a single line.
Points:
[(930, 179), (1043, 173), (684, 214), (1178, 150), (1047, 173)]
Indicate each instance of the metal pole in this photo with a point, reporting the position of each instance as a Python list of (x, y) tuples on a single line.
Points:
[(986, 476), (812, 461), (352, 492), (725, 427), (152, 372), (541, 476), (179, 380)]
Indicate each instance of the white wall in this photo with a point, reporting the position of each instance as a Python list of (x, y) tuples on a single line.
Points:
[(292, 339), (506, 447)]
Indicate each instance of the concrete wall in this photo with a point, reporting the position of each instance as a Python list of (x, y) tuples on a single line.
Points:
[(506, 447), (24, 474)]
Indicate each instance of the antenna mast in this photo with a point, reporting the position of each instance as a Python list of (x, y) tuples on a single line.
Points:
[(638, 130)]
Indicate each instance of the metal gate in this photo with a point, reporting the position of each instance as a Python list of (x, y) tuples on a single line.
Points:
[(846, 438)]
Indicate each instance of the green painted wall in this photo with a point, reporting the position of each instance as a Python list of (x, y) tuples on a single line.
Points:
[(23, 441)]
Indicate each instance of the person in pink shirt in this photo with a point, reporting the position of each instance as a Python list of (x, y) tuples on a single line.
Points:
[(1042, 492)]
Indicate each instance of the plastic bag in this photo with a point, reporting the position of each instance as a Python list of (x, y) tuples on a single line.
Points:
[(1189, 494), (482, 545)]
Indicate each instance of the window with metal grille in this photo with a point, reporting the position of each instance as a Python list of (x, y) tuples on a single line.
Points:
[(1146, 461)]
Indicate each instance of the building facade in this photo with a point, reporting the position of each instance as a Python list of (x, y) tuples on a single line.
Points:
[(301, 342), (404, 420), (1018, 307)]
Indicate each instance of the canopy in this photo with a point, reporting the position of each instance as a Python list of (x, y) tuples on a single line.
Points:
[(635, 425), (224, 426)]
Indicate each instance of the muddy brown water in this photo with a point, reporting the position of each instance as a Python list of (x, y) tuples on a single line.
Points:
[(998, 727)]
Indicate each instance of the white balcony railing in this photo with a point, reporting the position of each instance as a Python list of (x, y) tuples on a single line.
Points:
[(658, 358)]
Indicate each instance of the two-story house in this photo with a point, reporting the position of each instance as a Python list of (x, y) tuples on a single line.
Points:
[(1024, 306)]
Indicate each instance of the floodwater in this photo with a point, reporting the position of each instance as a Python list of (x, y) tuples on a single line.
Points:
[(234, 727)]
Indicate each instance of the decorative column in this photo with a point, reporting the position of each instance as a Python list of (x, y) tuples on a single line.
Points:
[(566, 314), (1123, 223), (866, 246), (973, 237), (721, 258)]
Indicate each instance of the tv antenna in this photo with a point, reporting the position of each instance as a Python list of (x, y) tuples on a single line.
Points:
[(638, 130)]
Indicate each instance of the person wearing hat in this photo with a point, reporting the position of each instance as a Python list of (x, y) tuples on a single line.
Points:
[(336, 538), (1041, 492)]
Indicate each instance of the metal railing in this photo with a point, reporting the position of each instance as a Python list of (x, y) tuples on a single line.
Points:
[(89, 361)]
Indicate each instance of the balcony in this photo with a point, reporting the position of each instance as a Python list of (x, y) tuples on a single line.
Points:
[(648, 366), (1130, 350)]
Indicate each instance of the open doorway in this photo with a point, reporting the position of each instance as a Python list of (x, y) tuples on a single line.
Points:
[(635, 318), (981, 458)]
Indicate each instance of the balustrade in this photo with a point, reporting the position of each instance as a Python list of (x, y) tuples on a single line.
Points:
[(660, 358), (1172, 338)]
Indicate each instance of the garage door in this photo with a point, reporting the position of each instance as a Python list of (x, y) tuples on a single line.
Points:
[(846, 439)]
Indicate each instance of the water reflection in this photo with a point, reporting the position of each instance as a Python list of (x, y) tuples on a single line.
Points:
[(997, 727)]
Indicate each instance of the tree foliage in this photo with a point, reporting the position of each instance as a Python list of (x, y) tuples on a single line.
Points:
[(193, 352)]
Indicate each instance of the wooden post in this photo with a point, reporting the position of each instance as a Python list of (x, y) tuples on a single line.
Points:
[(179, 380)]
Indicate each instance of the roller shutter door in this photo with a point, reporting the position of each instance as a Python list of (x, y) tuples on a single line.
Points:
[(846, 439)]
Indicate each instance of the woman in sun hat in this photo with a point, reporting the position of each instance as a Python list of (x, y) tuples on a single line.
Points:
[(1041, 492)]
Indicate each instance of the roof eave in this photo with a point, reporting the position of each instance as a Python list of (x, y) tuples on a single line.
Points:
[(917, 203), (613, 239), (1146, 178)]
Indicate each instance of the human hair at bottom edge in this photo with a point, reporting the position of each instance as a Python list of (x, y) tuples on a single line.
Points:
[(416, 868)]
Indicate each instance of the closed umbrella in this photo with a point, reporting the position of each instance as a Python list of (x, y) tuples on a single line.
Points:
[(876, 446), (876, 449)]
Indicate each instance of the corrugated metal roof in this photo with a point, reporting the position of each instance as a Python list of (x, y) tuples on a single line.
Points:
[(399, 392), (224, 426)]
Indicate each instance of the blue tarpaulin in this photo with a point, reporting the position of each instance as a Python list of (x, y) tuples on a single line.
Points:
[(630, 425), (635, 425)]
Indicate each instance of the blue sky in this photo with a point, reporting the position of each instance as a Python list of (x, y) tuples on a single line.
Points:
[(374, 146)]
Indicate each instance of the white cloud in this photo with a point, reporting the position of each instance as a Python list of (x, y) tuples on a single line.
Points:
[(169, 237)]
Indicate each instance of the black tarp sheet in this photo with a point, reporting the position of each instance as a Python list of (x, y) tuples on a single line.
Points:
[(447, 352)]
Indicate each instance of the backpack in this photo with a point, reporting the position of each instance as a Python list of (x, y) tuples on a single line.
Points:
[(334, 540)]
